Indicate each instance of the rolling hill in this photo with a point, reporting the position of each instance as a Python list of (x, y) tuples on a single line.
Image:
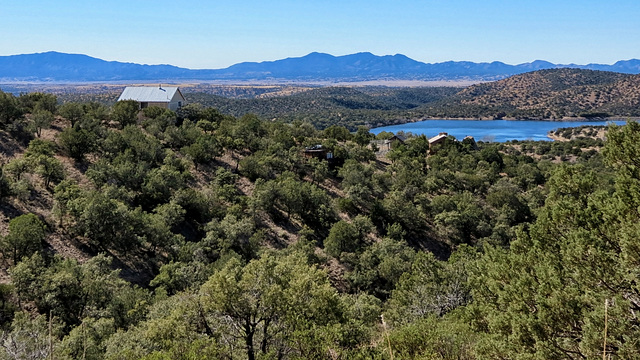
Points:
[(553, 94), (545, 94)]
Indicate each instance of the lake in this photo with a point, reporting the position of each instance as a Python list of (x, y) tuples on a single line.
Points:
[(488, 130)]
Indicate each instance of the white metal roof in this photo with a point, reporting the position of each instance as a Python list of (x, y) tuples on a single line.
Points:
[(150, 93), (437, 137)]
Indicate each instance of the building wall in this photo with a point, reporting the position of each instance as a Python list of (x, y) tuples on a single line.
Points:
[(173, 106), (163, 105), (177, 101)]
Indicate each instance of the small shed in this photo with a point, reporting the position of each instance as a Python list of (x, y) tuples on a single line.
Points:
[(386, 145), (168, 97), (318, 152), (321, 153), (399, 138)]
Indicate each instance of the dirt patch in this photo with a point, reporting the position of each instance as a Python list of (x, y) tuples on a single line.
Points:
[(9, 147), (63, 245), (336, 272)]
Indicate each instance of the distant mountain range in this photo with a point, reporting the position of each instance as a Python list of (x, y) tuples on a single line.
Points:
[(55, 66)]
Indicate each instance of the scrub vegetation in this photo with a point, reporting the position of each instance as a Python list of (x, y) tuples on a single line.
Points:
[(198, 234)]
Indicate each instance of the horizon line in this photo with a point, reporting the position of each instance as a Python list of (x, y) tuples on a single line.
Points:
[(321, 53)]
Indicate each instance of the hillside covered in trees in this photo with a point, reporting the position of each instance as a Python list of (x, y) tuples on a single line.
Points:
[(552, 94), (162, 235), (545, 94)]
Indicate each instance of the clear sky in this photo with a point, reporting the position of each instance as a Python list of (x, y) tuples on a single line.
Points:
[(216, 34)]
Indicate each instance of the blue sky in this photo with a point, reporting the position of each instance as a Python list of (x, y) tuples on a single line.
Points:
[(216, 34)]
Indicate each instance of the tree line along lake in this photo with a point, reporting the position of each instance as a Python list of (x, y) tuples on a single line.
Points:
[(490, 130)]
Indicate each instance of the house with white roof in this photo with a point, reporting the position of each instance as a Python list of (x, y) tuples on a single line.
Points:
[(168, 97), (437, 140)]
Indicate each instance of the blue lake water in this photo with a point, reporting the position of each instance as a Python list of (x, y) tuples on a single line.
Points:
[(488, 130)]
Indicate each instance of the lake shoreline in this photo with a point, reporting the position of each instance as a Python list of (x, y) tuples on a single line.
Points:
[(569, 119), (491, 130)]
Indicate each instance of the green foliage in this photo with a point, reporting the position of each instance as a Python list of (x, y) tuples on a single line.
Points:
[(155, 112), (546, 296), (229, 244), (161, 182), (38, 101), (10, 110), (360, 153), (357, 181), (174, 326), (134, 160), (362, 136), (64, 194), (293, 197), (328, 106), (26, 234), (16, 168), (343, 237), (272, 302), (339, 133), (106, 222), (319, 170), (49, 168), (431, 287), (71, 291), (399, 208), (267, 164), (72, 111), (76, 143), (38, 147), (41, 119), (88, 340), (96, 111), (380, 267), (157, 120), (179, 276), (459, 217), (125, 112), (233, 234), (198, 205), (30, 338), (186, 134), (133, 139), (432, 338), (203, 150), (110, 224), (8, 307), (5, 185)]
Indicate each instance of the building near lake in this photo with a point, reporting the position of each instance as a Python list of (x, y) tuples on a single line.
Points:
[(437, 140), (469, 140), (168, 97), (321, 153), (318, 152), (386, 145)]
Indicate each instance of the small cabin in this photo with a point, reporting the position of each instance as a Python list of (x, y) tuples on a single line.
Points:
[(395, 140), (168, 97), (318, 152), (437, 140)]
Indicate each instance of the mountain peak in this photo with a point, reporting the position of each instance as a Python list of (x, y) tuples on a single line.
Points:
[(315, 54)]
